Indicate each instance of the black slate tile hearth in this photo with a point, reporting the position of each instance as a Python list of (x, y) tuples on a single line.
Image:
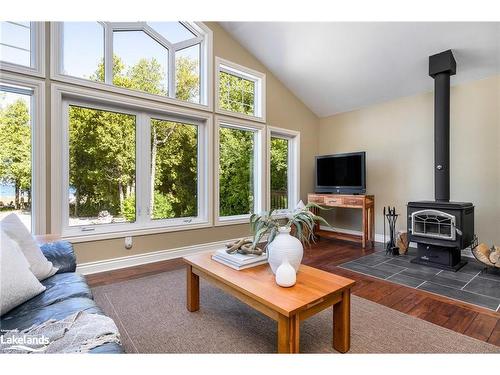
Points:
[(406, 280), (367, 270), (449, 281), (462, 295), (470, 284), (421, 273), (465, 277), (371, 260), (484, 286), (492, 274), (392, 268)]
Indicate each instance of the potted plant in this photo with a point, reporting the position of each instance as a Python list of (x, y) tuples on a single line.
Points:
[(282, 246)]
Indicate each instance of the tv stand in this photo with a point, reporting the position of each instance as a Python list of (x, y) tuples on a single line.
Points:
[(364, 202)]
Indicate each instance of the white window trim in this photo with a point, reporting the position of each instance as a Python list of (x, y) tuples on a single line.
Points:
[(206, 68), (260, 156), (37, 54), (246, 73), (293, 164), (38, 164), (60, 94)]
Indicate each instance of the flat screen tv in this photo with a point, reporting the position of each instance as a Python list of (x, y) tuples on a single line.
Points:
[(341, 173)]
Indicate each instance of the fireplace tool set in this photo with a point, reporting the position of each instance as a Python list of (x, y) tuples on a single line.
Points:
[(391, 216)]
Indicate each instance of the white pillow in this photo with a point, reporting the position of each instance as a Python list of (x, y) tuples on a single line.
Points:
[(16, 230), (17, 282)]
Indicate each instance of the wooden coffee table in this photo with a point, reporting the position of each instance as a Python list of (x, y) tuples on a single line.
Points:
[(314, 291)]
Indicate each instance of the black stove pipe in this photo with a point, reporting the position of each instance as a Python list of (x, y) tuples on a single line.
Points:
[(441, 67)]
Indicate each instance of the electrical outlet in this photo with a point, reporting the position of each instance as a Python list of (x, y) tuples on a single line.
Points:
[(128, 242)]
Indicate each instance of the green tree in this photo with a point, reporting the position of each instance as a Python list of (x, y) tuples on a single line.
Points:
[(279, 173), (176, 165), (15, 148), (236, 165), (187, 79), (102, 159), (236, 94)]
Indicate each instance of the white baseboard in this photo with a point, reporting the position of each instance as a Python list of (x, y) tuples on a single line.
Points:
[(152, 257)]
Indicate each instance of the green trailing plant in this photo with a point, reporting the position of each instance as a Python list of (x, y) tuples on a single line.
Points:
[(302, 220)]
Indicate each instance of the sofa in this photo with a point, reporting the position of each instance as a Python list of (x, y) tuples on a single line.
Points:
[(67, 293)]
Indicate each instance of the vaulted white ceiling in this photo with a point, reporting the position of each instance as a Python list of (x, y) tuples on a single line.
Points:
[(336, 67)]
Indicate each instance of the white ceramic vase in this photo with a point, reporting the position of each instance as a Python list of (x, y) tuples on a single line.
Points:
[(285, 246), (286, 275)]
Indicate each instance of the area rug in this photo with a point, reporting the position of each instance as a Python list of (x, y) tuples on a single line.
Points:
[(151, 315)]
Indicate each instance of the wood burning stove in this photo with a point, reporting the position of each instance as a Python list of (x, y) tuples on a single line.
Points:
[(441, 228)]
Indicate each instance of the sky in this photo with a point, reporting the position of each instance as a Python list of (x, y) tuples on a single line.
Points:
[(7, 98), (17, 35), (83, 45)]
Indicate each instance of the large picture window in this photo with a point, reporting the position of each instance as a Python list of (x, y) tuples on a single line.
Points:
[(101, 166), (283, 168), (240, 91), (280, 152), (174, 170), (239, 154), (15, 153), (169, 60), (22, 147), (128, 166), (236, 171)]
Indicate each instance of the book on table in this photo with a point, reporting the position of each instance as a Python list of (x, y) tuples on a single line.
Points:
[(239, 261)]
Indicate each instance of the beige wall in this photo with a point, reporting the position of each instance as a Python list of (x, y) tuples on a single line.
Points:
[(283, 110), (398, 139)]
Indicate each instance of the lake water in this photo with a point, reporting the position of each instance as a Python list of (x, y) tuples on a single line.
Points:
[(7, 193), (7, 190)]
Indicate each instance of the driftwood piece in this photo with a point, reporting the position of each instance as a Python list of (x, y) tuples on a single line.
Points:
[(231, 248), (249, 249), (244, 246)]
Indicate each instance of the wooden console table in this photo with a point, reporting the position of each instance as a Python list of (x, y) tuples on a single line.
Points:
[(366, 203)]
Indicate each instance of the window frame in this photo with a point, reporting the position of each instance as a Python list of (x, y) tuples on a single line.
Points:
[(38, 159), (37, 67), (204, 35), (241, 71), (259, 168), (64, 95), (293, 138)]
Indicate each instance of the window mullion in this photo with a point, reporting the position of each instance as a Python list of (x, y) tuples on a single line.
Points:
[(108, 54), (290, 172), (143, 162), (171, 73), (187, 43), (257, 177)]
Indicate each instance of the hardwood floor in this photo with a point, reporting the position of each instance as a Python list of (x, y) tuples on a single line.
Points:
[(461, 317)]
